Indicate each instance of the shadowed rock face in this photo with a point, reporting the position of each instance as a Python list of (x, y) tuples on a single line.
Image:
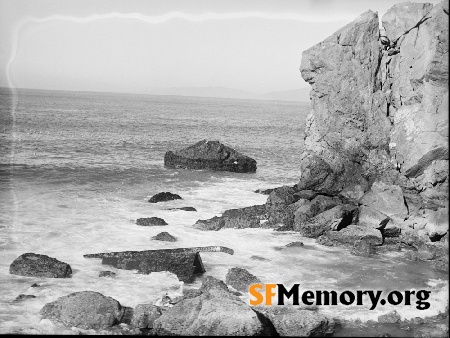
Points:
[(378, 107), (211, 155), (35, 265)]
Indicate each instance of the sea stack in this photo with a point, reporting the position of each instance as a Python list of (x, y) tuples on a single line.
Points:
[(210, 155), (379, 113)]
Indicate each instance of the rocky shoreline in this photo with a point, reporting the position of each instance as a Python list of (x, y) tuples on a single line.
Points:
[(373, 179)]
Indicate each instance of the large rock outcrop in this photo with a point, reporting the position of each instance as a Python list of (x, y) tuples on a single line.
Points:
[(378, 107), (378, 129), (211, 155)]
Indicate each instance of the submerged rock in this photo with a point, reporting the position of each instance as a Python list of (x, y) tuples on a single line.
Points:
[(23, 297), (264, 191), (151, 221), (211, 155), (35, 265), (107, 274), (164, 236), (389, 318), (164, 197), (240, 279), (85, 310), (184, 209)]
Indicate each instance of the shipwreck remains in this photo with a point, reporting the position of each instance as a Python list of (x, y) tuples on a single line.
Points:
[(184, 262)]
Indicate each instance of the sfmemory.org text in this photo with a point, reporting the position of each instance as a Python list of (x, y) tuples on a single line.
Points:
[(263, 294)]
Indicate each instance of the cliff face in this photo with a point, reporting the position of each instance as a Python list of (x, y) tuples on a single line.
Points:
[(380, 106)]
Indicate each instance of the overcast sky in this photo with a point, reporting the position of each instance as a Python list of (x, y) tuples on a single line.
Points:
[(136, 45)]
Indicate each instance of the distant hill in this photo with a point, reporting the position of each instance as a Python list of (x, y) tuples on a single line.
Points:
[(296, 95)]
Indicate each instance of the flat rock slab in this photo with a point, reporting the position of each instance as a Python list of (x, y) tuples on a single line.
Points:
[(184, 262), (164, 197), (184, 209), (151, 221), (211, 155), (85, 310), (35, 265)]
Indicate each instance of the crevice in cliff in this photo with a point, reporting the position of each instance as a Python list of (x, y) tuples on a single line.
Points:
[(421, 21), (377, 85)]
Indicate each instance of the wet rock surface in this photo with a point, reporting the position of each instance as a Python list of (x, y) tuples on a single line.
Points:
[(240, 279), (164, 236), (164, 197), (84, 309), (144, 315), (184, 209), (211, 155), (107, 274), (36, 265), (215, 311), (150, 221), (294, 322), (23, 297), (248, 217)]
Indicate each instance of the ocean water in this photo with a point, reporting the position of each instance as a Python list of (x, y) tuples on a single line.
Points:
[(77, 170)]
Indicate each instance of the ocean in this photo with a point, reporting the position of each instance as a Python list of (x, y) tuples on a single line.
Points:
[(77, 170)]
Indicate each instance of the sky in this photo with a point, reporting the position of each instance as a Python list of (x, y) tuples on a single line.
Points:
[(137, 46)]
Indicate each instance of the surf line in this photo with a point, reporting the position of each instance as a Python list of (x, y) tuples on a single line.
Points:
[(317, 297)]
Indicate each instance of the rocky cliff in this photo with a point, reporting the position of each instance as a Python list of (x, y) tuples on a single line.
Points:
[(380, 109)]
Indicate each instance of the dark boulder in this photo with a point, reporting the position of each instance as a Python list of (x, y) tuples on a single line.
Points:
[(240, 279), (164, 236), (107, 274), (150, 221), (211, 155), (35, 265), (164, 197), (85, 310)]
